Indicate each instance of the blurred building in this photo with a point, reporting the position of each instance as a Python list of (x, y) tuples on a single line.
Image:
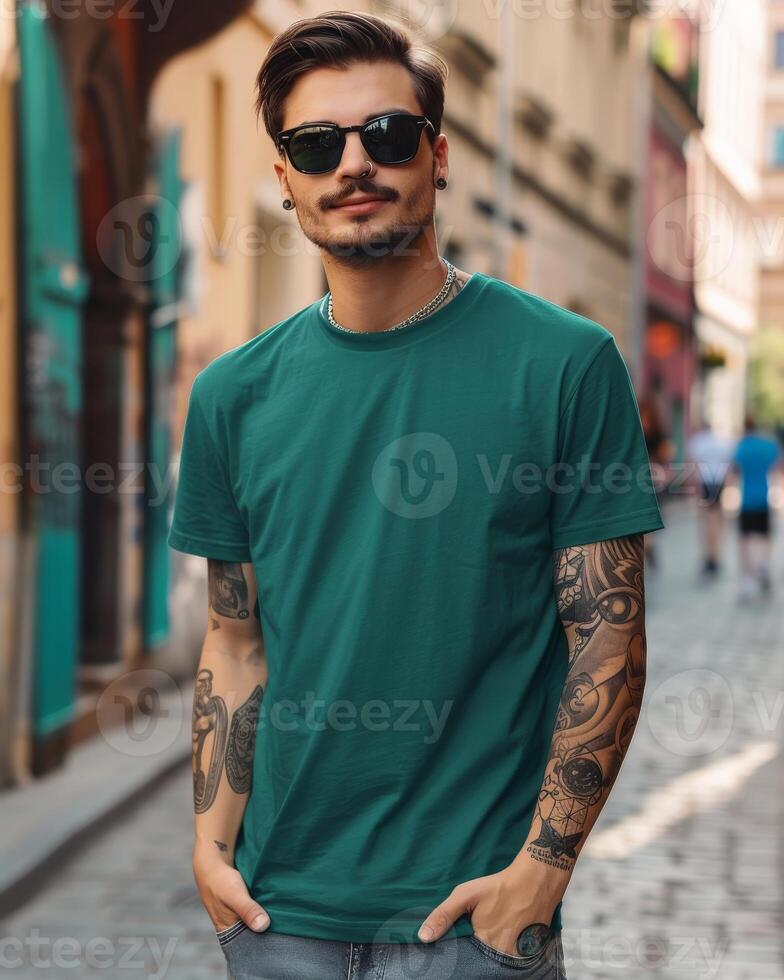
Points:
[(246, 265), (552, 99), (150, 237), (668, 348), (725, 190), (87, 325), (10, 666), (770, 222)]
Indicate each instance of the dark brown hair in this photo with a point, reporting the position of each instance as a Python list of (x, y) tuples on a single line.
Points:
[(339, 38)]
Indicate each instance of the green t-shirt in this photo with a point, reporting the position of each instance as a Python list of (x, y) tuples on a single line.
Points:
[(400, 495)]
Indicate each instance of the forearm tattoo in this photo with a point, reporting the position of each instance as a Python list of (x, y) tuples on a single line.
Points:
[(216, 745), (239, 752), (600, 595), (210, 728)]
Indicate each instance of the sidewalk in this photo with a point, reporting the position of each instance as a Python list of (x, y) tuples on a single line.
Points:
[(102, 778)]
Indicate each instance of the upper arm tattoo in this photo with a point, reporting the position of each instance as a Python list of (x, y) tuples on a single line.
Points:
[(600, 596), (228, 589)]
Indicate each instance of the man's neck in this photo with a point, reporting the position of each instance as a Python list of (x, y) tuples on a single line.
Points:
[(386, 292)]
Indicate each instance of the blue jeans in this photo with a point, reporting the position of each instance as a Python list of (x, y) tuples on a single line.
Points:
[(276, 956)]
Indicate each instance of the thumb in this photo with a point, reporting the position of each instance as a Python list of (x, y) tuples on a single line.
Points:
[(255, 916), (443, 916)]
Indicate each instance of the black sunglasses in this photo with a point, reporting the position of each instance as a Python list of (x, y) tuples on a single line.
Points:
[(316, 148)]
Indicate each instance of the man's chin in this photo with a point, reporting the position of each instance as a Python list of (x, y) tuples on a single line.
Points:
[(369, 243)]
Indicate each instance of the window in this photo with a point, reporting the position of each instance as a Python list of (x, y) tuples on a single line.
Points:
[(777, 148), (217, 171), (779, 50)]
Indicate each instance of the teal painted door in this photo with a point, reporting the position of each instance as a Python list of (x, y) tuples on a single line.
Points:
[(53, 287), (161, 348)]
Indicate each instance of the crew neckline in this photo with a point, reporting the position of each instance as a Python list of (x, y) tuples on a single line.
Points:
[(414, 332)]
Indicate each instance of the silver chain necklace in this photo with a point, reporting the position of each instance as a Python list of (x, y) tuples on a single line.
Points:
[(428, 308)]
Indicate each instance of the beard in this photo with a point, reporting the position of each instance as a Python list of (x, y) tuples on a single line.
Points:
[(366, 239)]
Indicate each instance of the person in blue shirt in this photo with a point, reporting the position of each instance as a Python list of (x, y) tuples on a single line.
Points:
[(755, 456)]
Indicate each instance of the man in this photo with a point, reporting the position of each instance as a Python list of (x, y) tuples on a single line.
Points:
[(711, 455), (755, 455), (422, 499)]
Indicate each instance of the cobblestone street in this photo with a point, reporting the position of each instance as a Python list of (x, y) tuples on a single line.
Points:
[(681, 877)]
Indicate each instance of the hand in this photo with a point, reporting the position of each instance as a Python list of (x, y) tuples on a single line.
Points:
[(224, 893), (500, 905)]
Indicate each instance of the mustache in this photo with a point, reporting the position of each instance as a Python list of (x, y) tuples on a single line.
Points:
[(361, 186)]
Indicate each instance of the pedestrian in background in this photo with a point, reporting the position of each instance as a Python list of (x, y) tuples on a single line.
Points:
[(755, 456), (711, 455)]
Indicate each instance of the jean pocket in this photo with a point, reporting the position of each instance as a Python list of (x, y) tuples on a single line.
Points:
[(499, 956), (540, 963), (226, 935)]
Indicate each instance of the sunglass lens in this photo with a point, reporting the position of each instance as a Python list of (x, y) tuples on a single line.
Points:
[(392, 139), (315, 149)]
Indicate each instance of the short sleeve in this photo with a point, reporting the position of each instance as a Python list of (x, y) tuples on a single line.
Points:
[(206, 519), (601, 485)]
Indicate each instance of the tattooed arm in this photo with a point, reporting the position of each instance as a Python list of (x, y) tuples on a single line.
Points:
[(599, 592), (230, 683), (600, 595)]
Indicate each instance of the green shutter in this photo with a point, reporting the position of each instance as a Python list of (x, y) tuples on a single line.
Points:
[(161, 349), (53, 288)]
